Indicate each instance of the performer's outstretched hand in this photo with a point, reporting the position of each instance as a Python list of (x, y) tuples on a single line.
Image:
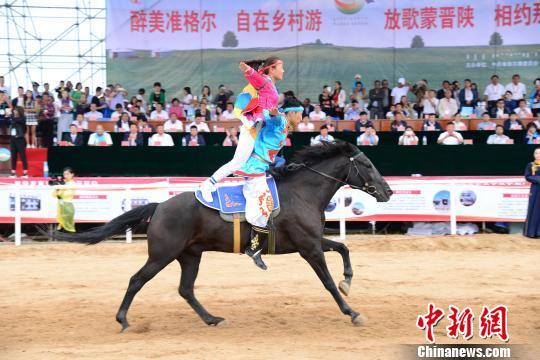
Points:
[(243, 66)]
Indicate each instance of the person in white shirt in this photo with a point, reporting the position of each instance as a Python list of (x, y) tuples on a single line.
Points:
[(200, 124), (173, 124), (160, 138), (93, 114), (317, 114), (486, 123), (324, 136), (229, 113), (159, 113), (4, 88), (401, 90), (117, 113), (517, 88), (430, 102), (100, 138), (450, 136), (368, 138), (459, 124), (494, 92), (408, 137), (447, 106), (522, 110), (498, 138), (306, 125), (80, 122)]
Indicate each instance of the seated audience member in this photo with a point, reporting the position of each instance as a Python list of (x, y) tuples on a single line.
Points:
[(368, 138), (408, 137), (173, 124), (317, 114), (459, 124), (401, 110), (159, 113), (532, 136), (203, 110), (80, 122), (193, 138), (232, 137), (450, 136), (329, 122), (353, 113), (133, 137), (176, 108), (509, 103), (144, 126), (390, 113), (498, 138), (513, 123), (398, 124), (362, 123), (73, 138), (100, 138), (500, 111), (431, 124), (430, 102), (228, 114), (308, 108), (160, 138), (447, 106), (306, 125), (522, 111), (486, 123), (115, 116), (82, 105), (124, 123), (93, 114), (323, 136), (199, 123)]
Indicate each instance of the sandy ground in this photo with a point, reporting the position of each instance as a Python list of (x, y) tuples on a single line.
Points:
[(58, 301)]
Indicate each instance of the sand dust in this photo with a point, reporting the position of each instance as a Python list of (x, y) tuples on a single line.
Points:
[(58, 301)]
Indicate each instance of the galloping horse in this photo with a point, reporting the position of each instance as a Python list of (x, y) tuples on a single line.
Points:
[(182, 229)]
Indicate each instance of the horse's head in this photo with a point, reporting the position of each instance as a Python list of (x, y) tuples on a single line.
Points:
[(364, 176)]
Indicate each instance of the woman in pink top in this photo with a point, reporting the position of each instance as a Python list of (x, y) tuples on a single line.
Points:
[(262, 76), (176, 108)]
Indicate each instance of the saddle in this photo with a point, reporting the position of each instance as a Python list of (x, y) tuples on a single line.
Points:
[(229, 200)]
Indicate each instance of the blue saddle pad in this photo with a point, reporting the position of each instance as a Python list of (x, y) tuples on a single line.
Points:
[(229, 199)]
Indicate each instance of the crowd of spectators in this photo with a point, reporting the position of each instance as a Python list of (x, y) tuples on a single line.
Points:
[(69, 109)]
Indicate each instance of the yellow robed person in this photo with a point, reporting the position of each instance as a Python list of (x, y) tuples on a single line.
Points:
[(66, 211)]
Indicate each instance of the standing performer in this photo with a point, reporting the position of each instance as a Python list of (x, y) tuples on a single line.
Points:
[(259, 203), (532, 175), (66, 211), (261, 94)]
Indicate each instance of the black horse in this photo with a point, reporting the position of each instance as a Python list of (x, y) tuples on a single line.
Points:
[(182, 229)]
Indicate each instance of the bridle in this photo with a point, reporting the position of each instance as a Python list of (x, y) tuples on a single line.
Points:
[(370, 189)]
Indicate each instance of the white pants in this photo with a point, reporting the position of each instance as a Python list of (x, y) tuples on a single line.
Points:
[(259, 202), (246, 142)]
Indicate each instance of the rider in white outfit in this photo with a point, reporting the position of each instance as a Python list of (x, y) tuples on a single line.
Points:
[(264, 96)]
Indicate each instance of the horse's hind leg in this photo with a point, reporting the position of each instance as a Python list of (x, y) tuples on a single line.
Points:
[(329, 245), (137, 281), (189, 261)]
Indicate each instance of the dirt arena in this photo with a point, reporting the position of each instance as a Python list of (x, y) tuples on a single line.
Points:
[(58, 301)]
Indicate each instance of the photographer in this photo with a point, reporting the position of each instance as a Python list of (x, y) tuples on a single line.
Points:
[(17, 130), (66, 211)]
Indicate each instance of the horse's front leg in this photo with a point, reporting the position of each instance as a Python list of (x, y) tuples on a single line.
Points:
[(330, 245), (315, 257)]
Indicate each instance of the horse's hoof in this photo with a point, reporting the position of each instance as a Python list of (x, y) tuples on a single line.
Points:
[(223, 323), (344, 287), (124, 327), (359, 320)]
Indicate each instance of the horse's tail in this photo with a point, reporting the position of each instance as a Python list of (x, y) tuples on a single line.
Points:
[(116, 226)]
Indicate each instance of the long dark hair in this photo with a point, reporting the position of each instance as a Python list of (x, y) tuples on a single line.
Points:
[(20, 112), (261, 64)]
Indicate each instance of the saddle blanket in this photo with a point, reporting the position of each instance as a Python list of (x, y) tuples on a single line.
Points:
[(229, 199)]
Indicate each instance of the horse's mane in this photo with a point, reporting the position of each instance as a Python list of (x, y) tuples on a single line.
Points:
[(311, 155)]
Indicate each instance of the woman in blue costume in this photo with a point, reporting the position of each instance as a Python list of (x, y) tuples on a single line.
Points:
[(532, 175)]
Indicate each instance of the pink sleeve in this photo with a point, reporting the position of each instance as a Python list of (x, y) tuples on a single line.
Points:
[(254, 78)]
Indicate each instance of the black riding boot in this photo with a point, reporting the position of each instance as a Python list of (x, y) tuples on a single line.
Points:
[(259, 238)]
